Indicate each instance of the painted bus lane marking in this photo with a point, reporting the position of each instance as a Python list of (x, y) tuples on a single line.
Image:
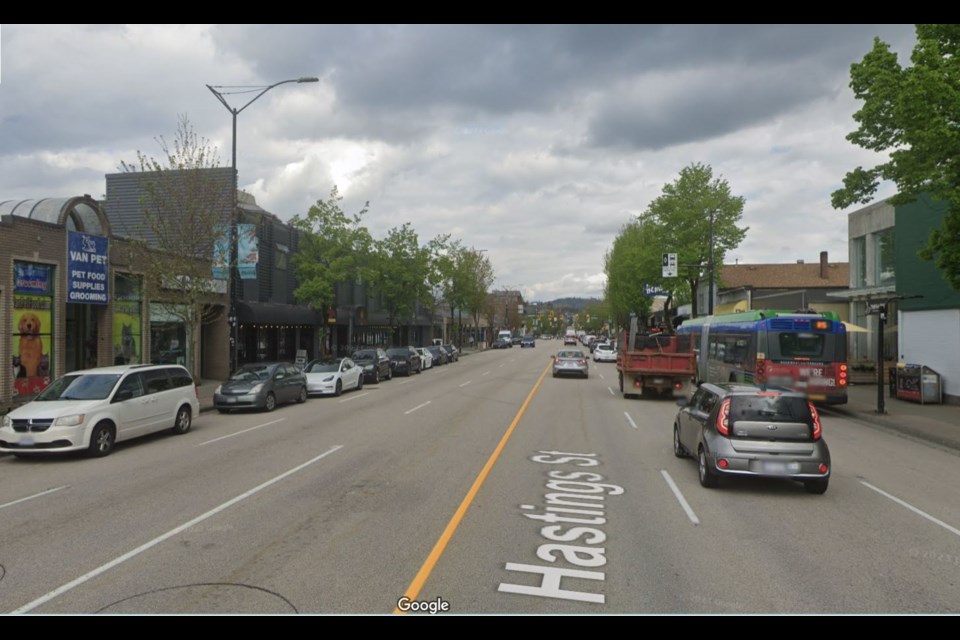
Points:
[(576, 498)]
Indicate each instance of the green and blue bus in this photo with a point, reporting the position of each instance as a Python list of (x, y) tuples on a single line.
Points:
[(801, 350)]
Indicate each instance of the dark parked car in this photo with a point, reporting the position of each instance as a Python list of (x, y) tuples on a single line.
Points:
[(527, 341), (261, 385), (501, 344), (375, 364), (439, 355), (452, 353), (405, 360), (742, 430)]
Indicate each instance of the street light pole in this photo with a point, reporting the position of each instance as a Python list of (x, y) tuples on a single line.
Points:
[(233, 281), (710, 292)]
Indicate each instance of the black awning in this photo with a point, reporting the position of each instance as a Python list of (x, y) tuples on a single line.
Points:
[(272, 313)]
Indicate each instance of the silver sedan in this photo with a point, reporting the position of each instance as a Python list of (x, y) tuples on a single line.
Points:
[(571, 361)]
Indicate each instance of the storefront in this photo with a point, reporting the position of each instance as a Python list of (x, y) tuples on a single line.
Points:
[(127, 319), (275, 332), (168, 334), (32, 323)]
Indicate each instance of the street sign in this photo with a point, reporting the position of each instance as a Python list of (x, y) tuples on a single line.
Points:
[(653, 290), (669, 265)]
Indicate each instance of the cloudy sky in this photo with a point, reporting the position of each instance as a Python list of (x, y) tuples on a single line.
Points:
[(535, 143)]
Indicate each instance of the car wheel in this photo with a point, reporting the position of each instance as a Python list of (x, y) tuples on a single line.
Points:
[(270, 403), (376, 376), (360, 383), (182, 423), (620, 378), (223, 410), (677, 447), (390, 374), (339, 388), (101, 440), (707, 478), (303, 395), (818, 487)]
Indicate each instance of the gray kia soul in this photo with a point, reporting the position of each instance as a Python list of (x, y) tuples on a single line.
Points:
[(742, 430)]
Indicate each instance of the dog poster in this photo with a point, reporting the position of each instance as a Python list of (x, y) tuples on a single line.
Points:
[(126, 333), (32, 324)]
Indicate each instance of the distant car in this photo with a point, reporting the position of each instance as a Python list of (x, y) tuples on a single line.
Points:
[(515, 340), (605, 352), (501, 344), (742, 430), (426, 358), (527, 341), (92, 409), (332, 376), (571, 361), (375, 364), (569, 340), (405, 360), (261, 385)]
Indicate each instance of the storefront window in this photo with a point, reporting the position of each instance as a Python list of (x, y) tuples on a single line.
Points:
[(32, 321), (168, 336), (127, 320), (859, 259), (886, 274)]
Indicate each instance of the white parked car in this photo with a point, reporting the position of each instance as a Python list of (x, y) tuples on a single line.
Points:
[(426, 358), (333, 376), (605, 352), (95, 408)]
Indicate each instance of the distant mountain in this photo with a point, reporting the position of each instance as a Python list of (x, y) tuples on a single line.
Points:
[(571, 304)]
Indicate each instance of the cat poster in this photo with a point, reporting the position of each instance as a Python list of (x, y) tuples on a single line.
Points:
[(126, 334)]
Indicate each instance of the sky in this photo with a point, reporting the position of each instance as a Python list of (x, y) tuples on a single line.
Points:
[(532, 143)]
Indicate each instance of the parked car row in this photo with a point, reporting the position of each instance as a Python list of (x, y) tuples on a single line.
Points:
[(91, 410)]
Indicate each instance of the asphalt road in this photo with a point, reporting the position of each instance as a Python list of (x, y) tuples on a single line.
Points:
[(343, 505)]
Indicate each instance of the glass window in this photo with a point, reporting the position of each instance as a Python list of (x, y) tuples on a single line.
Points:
[(180, 377), (156, 381), (133, 384), (884, 252), (859, 259)]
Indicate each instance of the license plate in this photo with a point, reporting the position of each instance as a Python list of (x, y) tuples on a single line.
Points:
[(781, 467), (230, 400), (658, 381), (27, 441)]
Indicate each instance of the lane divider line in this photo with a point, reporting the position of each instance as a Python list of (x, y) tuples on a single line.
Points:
[(917, 511), (36, 495), (354, 397), (169, 534), (419, 406), (420, 579), (630, 420), (679, 496), (259, 426)]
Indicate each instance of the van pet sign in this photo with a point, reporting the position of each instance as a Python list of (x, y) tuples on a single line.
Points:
[(88, 264)]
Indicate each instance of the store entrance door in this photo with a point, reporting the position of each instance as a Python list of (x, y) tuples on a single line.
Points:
[(81, 342)]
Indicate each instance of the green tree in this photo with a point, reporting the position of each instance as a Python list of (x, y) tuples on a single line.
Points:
[(629, 264), (398, 268), (680, 223), (185, 208), (334, 249), (912, 115)]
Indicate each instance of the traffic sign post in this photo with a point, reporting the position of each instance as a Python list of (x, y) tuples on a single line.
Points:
[(669, 265)]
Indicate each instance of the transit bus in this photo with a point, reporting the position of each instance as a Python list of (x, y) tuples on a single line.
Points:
[(802, 350)]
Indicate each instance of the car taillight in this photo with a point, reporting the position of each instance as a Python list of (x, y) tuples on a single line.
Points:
[(817, 430), (582, 361), (723, 424), (758, 376)]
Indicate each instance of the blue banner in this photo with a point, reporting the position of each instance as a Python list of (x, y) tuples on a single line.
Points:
[(29, 277), (221, 253), (88, 268), (247, 251)]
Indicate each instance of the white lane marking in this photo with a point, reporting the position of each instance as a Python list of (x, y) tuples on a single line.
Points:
[(419, 406), (405, 382), (36, 495), (630, 420), (259, 426), (601, 376), (354, 397), (485, 373), (903, 503), (466, 383), (611, 391), (679, 496), (169, 534), (500, 367)]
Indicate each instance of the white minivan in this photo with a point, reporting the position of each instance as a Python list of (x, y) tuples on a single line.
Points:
[(92, 409)]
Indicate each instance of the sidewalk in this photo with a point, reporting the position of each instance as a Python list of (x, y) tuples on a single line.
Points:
[(937, 423)]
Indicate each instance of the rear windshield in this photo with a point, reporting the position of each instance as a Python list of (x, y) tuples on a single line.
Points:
[(570, 354), (775, 408), (827, 347)]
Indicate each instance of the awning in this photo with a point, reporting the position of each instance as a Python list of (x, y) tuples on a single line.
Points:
[(272, 313), (855, 328)]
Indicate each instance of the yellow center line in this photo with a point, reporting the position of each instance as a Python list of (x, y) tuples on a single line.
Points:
[(421, 578)]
